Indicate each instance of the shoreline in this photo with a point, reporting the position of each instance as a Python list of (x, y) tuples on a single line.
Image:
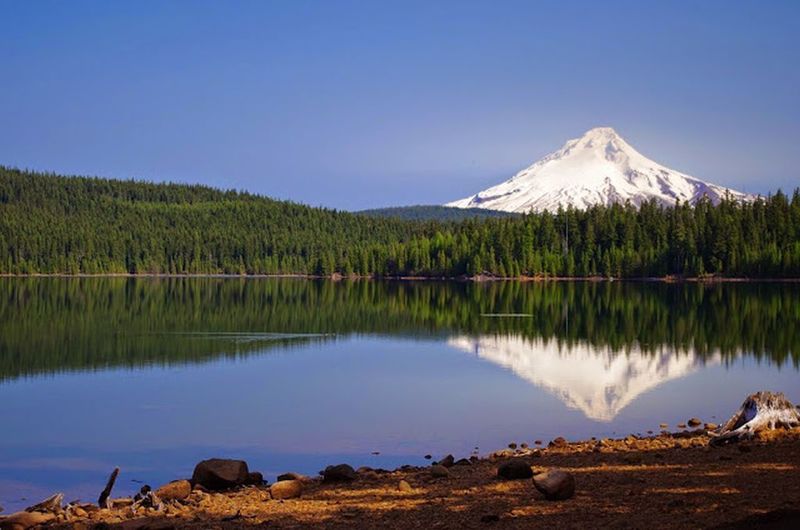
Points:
[(462, 279), (668, 480)]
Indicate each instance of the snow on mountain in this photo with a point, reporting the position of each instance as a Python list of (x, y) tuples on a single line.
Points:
[(596, 381), (597, 168)]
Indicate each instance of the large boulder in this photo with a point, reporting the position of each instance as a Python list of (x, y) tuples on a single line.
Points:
[(220, 473), (286, 489), (177, 490), (556, 485), (517, 468), (339, 473)]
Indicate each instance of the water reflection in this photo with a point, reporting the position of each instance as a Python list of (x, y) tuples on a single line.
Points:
[(52, 325), (596, 381)]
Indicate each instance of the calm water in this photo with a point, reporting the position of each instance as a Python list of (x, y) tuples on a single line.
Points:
[(153, 375)]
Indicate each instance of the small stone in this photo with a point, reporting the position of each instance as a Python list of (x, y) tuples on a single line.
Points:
[(524, 445), (447, 461), (462, 462), (556, 485), (681, 425), (538, 442), (428, 457), (286, 489), (404, 486), (694, 422), (512, 445), (710, 426), (364, 469), (663, 426), (517, 468), (291, 475), (339, 473), (439, 471), (177, 490), (559, 442)]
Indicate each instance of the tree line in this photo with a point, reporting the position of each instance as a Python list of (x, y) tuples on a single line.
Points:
[(56, 224)]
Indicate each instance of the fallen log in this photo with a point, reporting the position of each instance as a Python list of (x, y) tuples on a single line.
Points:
[(51, 504), (106, 493), (760, 411)]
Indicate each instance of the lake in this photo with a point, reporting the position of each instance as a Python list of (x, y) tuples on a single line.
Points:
[(155, 374)]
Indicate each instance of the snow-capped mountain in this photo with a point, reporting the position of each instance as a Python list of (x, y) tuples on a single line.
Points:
[(596, 381), (597, 168)]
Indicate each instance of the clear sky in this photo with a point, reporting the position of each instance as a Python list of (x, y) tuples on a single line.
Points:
[(355, 104)]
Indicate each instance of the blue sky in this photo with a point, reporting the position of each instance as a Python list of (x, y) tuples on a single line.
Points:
[(355, 104)]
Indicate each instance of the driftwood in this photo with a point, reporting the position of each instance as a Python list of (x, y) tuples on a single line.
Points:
[(106, 493), (51, 504), (760, 411)]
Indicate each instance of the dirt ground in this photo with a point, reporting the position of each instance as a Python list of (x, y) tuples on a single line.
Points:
[(666, 481)]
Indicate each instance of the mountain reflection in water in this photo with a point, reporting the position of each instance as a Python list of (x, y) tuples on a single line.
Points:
[(596, 381)]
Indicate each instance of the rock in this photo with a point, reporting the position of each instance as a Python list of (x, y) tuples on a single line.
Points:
[(710, 426), (559, 442), (24, 520), (556, 485), (291, 475), (77, 511), (681, 426), (339, 473), (286, 489), (428, 457), (663, 426), (503, 453), (404, 486), (220, 473), (254, 478), (439, 471), (512, 445), (447, 461), (523, 445), (462, 462), (694, 422), (517, 468), (177, 490), (536, 453), (364, 469), (537, 442)]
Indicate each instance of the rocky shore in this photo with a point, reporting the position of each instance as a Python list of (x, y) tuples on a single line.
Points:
[(669, 480)]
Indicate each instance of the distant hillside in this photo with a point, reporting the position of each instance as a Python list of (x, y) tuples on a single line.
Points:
[(434, 213)]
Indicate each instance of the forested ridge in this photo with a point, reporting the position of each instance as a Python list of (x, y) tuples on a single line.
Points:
[(56, 224)]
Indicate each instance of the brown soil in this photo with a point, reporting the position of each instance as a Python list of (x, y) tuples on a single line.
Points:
[(667, 481)]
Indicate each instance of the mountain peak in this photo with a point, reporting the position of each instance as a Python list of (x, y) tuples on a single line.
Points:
[(600, 167), (598, 133)]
